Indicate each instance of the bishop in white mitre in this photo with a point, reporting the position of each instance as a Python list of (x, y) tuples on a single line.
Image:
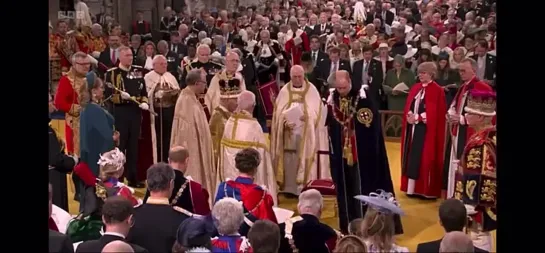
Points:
[(243, 131), (299, 140)]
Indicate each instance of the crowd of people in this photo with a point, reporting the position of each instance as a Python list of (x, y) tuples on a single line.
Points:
[(187, 113)]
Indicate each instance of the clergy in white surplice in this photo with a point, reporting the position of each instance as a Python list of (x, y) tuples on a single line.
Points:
[(229, 74), (297, 130), (243, 131)]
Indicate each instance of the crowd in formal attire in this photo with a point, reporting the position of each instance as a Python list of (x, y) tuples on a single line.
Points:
[(188, 113)]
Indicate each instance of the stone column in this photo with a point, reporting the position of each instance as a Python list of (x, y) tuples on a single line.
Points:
[(123, 13), (54, 9)]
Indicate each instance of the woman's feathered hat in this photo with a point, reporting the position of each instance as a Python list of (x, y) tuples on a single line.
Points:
[(481, 103), (383, 201)]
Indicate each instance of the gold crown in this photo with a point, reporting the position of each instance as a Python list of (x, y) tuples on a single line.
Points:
[(483, 103), (229, 88)]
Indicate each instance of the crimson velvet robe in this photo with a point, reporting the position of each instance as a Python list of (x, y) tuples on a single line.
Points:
[(423, 143)]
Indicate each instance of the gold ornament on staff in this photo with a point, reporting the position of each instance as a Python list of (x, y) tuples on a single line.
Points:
[(132, 98)]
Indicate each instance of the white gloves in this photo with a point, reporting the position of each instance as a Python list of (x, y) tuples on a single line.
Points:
[(144, 106), (125, 95)]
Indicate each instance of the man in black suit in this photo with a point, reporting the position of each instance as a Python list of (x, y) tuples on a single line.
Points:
[(316, 54), (176, 45), (173, 61), (386, 15), (109, 58), (331, 65), (58, 242), (157, 221), (486, 63), (453, 217), (368, 73), (211, 28), (137, 49), (117, 215), (323, 27)]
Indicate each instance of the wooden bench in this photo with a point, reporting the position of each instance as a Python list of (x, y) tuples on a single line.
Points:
[(391, 122)]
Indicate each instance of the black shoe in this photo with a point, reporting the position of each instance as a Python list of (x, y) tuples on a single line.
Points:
[(137, 185)]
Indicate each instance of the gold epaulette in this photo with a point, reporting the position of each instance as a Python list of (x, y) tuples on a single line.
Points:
[(114, 68)]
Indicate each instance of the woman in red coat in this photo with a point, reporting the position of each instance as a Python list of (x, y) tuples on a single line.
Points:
[(423, 136)]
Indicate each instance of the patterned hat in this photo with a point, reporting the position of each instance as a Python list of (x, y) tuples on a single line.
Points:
[(481, 103), (382, 201), (229, 88)]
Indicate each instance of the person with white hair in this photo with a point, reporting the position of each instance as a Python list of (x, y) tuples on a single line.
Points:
[(173, 60), (456, 241), (163, 90), (305, 232), (210, 69), (243, 131), (222, 96), (256, 200), (357, 149), (228, 216), (268, 53), (117, 247), (297, 41), (298, 112)]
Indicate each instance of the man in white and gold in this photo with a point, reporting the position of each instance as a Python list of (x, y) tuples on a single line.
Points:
[(190, 130), (225, 88), (212, 98), (295, 142), (243, 131), (163, 90)]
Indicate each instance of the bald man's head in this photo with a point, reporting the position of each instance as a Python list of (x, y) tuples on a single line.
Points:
[(117, 247), (456, 241), (297, 74)]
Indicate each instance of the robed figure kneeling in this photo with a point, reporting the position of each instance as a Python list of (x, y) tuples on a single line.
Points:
[(359, 163)]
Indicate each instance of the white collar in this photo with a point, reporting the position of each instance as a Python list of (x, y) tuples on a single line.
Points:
[(114, 234)]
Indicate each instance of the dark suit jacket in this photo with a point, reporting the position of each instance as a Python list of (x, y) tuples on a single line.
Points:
[(490, 66), (318, 29), (375, 71), (93, 246), (320, 57), (173, 62), (323, 68), (211, 31), (59, 242), (433, 247), (389, 19), (370, 17), (179, 49), (106, 59)]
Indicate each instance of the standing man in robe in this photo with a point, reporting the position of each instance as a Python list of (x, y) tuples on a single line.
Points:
[(243, 131), (297, 42), (224, 88), (294, 142), (163, 90), (458, 131), (126, 86), (359, 162), (190, 129)]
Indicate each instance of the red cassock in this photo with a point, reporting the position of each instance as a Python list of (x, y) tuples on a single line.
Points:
[(474, 84), (430, 151), (145, 150), (66, 100), (296, 51)]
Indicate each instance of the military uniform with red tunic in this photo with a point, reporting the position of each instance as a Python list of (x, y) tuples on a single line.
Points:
[(458, 132), (257, 202), (296, 43), (476, 174)]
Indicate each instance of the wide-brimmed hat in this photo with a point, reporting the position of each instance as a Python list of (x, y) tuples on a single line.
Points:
[(383, 201), (410, 52)]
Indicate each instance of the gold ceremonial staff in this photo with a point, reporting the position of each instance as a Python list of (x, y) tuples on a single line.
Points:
[(110, 85)]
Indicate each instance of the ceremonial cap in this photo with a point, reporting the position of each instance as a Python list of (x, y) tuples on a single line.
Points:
[(382, 201), (194, 232), (229, 88), (90, 78), (481, 103)]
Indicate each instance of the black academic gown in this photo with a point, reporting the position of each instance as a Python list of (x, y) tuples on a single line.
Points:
[(59, 164), (370, 172)]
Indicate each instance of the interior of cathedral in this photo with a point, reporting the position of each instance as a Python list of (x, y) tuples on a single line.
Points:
[(420, 223)]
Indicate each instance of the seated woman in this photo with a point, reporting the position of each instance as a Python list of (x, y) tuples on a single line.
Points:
[(423, 136), (228, 216), (378, 223), (111, 169), (257, 203), (447, 78), (97, 136)]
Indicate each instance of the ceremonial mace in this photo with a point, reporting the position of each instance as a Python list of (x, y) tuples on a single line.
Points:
[(132, 98)]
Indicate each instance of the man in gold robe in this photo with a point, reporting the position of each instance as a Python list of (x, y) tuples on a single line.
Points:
[(190, 129), (226, 87), (295, 141), (226, 76), (243, 131)]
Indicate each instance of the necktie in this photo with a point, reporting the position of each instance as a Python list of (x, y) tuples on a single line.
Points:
[(314, 54), (365, 72), (334, 67), (113, 56)]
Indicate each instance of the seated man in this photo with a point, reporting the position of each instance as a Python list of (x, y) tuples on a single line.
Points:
[(264, 236), (117, 215), (157, 221), (306, 233), (187, 193), (453, 217), (257, 202), (58, 242)]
